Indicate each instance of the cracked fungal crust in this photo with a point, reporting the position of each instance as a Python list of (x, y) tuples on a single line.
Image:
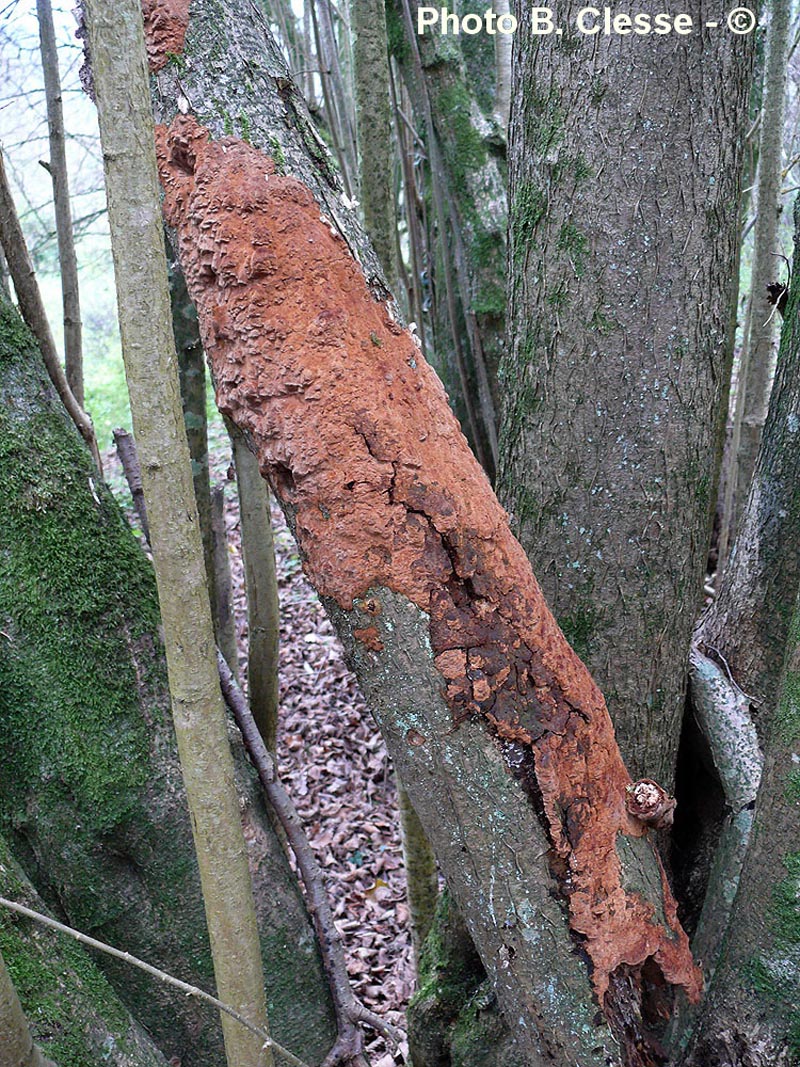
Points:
[(353, 430), (165, 25)]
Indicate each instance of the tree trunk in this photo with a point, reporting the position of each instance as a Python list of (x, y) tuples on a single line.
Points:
[(746, 631), (747, 625), (457, 654), (757, 364), (621, 266), (261, 587), (422, 876), (67, 259), (751, 1016), (75, 1015), (374, 123), (224, 622), (120, 80), (464, 171), (192, 368), (33, 311), (91, 797)]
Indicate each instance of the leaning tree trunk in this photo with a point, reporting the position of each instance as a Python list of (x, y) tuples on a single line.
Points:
[(67, 258), (747, 625), (90, 792), (625, 161), (460, 660)]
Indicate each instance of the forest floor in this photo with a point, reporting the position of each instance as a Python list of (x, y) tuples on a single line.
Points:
[(333, 762)]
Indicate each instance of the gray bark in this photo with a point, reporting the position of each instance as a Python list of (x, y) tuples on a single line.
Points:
[(624, 231)]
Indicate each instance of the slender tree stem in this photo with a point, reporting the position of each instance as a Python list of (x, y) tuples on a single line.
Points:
[(68, 260), (261, 585), (119, 69)]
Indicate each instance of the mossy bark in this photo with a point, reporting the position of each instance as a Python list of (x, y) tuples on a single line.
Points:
[(624, 231), (91, 797), (75, 1015), (454, 1017)]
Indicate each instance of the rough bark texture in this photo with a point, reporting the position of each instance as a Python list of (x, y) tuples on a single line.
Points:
[(625, 159), (91, 798), (404, 539), (74, 1013), (748, 622)]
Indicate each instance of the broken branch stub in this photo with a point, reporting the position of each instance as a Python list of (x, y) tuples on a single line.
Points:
[(353, 430)]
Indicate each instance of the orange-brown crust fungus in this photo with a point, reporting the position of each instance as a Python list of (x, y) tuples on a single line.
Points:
[(165, 25), (369, 637), (354, 431)]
